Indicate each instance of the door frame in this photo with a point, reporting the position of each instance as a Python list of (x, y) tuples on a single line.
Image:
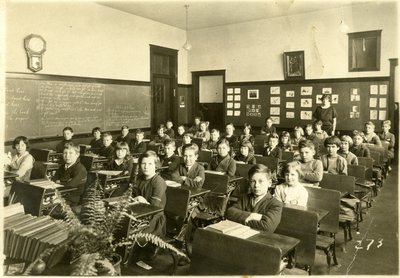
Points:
[(155, 49), (196, 93)]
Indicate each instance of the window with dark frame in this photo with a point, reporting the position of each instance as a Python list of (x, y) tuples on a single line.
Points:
[(365, 51)]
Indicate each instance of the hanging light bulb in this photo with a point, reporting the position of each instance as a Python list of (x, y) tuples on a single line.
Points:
[(187, 46), (343, 27)]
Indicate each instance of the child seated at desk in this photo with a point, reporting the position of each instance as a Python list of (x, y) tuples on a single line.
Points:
[(370, 136), (273, 149), (121, 161), (107, 150), (246, 153), (268, 128), (292, 191), (213, 143), (168, 129), (203, 133), (160, 137), (259, 209), (125, 135), (232, 139), (320, 135), (97, 143), (332, 162), (72, 174), (150, 189), (311, 168), (187, 140), (181, 132), (346, 143), (22, 162), (247, 136), (309, 132), (285, 143), (388, 137), (358, 147), (190, 172), (223, 162), (298, 134), (137, 146), (196, 126), (67, 134), (170, 161)]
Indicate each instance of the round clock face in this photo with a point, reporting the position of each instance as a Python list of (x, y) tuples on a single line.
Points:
[(36, 44)]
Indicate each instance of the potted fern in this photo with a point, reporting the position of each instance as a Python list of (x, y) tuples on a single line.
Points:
[(92, 243)]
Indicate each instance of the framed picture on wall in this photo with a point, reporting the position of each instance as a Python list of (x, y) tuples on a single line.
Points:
[(252, 94), (365, 51), (293, 65)]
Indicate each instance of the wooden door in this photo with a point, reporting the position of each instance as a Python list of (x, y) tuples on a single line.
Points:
[(163, 78)]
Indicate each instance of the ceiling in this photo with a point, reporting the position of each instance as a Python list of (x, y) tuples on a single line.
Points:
[(206, 13)]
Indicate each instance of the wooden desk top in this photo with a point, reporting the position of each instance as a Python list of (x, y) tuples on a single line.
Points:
[(196, 192), (235, 178), (141, 210), (9, 175), (321, 213), (284, 243)]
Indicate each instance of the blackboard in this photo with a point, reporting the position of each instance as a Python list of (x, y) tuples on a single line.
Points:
[(41, 106), (340, 87)]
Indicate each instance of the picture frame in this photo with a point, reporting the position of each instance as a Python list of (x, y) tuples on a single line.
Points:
[(252, 94), (293, 65)]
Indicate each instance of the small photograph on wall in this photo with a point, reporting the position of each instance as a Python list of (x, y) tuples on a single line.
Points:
[(306, 102), (289, 93), (275, 120), (275, 100), (275, 90), (306, 91), (373, 89), (275, 110), (335, 99), (289, 115), (383, 89), (382, 115), (373, 114), (252, 94), (230, 91), (290, 104), (306, 115), (327, 91)]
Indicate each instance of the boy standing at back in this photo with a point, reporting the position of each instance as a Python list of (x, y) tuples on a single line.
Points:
[(67, 134)]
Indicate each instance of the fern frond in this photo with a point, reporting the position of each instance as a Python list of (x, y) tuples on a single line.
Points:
[(153, 239), (69, 215), (105, 267), (42, 256), (85, 265)]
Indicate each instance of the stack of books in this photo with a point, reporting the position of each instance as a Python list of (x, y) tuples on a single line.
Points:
[(27, 236)]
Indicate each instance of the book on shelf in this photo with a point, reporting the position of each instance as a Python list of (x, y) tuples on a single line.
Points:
[(233, 229), (13, 209)]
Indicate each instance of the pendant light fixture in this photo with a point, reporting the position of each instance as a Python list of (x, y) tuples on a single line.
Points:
[(187, 46)]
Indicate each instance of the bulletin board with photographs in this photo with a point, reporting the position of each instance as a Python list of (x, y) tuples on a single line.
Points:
[(292, 103)]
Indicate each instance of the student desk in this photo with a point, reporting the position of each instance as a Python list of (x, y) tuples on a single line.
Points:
[(110, 183), (321, 213), (93, 162), (216, 253), (9, 179)]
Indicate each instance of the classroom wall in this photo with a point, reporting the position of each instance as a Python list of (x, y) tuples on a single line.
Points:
[(89, 40), (252, 51)]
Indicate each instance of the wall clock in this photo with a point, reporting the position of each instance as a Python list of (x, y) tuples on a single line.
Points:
[(35, 46)]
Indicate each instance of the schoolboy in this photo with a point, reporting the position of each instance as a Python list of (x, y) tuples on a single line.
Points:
[(107, 150), (358, 147), (273, 149), (125, 135), (161, 136), (68, 133), (309, 132), (346, 143), (332, 162), (213, 143), (190, 172), (370, 136), (137, 146), (96, 143), (223, 162), (72, 174), (259, 209), (168, 130), (311, 168), (170, 161), (388, 137), (320, 135), (181, 132)]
